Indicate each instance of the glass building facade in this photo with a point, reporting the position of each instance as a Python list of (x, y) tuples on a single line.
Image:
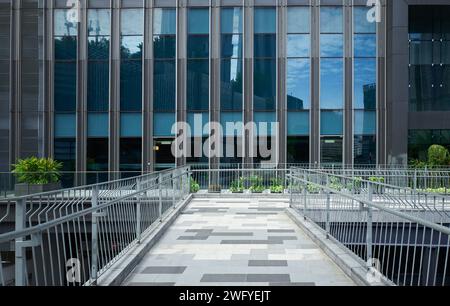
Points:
[(101, 89)]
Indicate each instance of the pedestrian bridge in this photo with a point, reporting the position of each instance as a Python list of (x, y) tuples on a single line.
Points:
[(275, 227)]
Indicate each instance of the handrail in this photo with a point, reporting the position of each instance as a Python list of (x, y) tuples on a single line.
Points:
[(397, 213)]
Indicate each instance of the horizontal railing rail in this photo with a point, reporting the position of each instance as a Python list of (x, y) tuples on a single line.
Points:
[(395, 242), (73, 236)]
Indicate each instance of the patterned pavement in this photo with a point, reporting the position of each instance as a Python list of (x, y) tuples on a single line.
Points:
[(236, 242)]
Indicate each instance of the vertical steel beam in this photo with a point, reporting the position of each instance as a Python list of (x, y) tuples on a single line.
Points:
[(348, 83), (315, 83), (148, 156), (181, 68), (281, 83), (248, 34), (94, 230), (114, 107), (15, 82)]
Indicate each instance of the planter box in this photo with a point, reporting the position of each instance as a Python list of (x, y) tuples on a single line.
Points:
[(28, 189)]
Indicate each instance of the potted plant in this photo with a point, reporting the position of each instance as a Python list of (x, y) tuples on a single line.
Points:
[(379, 188), (256, 184), (195, 187), (37, 175), (237, 186), (276, 185)]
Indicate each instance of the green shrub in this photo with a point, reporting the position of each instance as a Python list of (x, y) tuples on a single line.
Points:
[(438, 156), (195, 187), (335, 183), (37, 171), (276, 185), (313, 188), (237, 186), (256, 184), (418, 164), (377, 179)]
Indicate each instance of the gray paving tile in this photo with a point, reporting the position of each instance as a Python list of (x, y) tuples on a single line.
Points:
[(267, 263), (271, 278), (163, 270), (293, 284), (223, 278), (192, 238), (281, 231), (231, 234), (251, 242), (151, 284)]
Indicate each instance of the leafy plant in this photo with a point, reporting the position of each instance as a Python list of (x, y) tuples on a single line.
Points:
[(256, 184), (377, 179), (335, 183), (312, 188), (237, 186), (37, 171), (438, 156), (276, 185), (195, 187), (355, 185)]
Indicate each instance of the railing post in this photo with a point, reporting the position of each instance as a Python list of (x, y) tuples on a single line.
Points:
[(138, 210), (327, 224), (20, 260), (94, 231), (174, 177), (160, 196), (369, 238)]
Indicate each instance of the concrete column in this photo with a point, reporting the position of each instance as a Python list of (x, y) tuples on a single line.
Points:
[(48, 80), (214, 101), (248, 74), (348, 83), (181, 69), (114, 107), (82, 76), (15, 82), (314, 135), (148, 156), (281, 82)]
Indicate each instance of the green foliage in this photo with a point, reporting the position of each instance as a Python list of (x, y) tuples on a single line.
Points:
[(256, 184), (195, 187), (438, 156), (237, 186), (313, 188), (377, 179), (355, 184), (418, 164), (37, 171), (441, 190), (335, 183), (276, 185)]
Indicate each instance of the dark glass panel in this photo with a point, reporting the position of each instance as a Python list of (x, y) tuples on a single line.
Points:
[(164, 21), (164, 86), (365, 150), (131, 155), (65, 152), (198, 46), (131, 85), (298, 150), (198, 85), (97, 154), (65, 86), (331, 150), (98, 48), (163, 151), (164, 47), (98, 86), (265, 20), (198, 21), (265, 45), (232, 46), (66, 48), (231, 97), (264, 84)]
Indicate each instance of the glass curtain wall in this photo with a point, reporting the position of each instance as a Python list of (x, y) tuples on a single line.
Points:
[(298, 83), (65, 90), (429, 58), (198, 80), (365, 88), (131, 52), (99, 26), (331, 83), (231, 81), (265, 74), (164, 85)]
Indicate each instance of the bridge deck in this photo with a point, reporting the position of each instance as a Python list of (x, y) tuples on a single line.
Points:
[(236, 242)]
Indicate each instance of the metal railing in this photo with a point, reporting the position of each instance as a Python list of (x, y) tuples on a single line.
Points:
[(401, 237), (73, 236)]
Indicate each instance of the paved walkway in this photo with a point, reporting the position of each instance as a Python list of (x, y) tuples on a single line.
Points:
[(236, 242)]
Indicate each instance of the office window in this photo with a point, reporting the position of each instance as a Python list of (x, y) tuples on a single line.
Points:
[(231, 74), (429, 69), (130, 156), (298, 149), (198, 60), (365, 88), (331, 83), (265, 73)]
